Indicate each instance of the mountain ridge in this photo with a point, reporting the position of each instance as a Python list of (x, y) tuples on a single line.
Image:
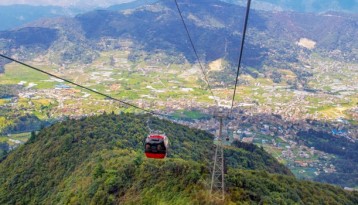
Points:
[(283, 28), (99, 160)]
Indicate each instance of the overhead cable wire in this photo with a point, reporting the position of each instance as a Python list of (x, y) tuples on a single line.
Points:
[(83, 87), (196, 53), (241, 50)]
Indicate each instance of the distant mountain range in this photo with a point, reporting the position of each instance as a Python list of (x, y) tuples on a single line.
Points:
[(272, 39), (18, 15), (315, 6)]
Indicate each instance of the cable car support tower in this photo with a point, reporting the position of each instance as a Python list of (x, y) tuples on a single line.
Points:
[(217, 188)]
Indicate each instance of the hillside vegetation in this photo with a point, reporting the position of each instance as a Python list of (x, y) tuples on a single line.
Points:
[(99, 160)]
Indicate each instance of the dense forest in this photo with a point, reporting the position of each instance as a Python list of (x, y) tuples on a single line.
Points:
[(100, 160)]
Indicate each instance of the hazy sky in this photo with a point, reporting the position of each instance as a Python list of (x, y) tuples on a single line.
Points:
[(92, 3)]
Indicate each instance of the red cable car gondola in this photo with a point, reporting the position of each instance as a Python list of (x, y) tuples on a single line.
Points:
[(156, 146)]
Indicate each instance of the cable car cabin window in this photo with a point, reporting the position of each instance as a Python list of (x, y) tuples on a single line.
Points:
[(155, 146)]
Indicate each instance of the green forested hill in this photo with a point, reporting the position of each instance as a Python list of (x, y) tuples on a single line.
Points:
[(99, 160)]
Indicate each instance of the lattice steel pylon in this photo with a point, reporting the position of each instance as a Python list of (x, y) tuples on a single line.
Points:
[(217, 189)]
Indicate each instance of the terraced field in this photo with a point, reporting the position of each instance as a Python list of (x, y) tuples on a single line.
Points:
[(153, 84)]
